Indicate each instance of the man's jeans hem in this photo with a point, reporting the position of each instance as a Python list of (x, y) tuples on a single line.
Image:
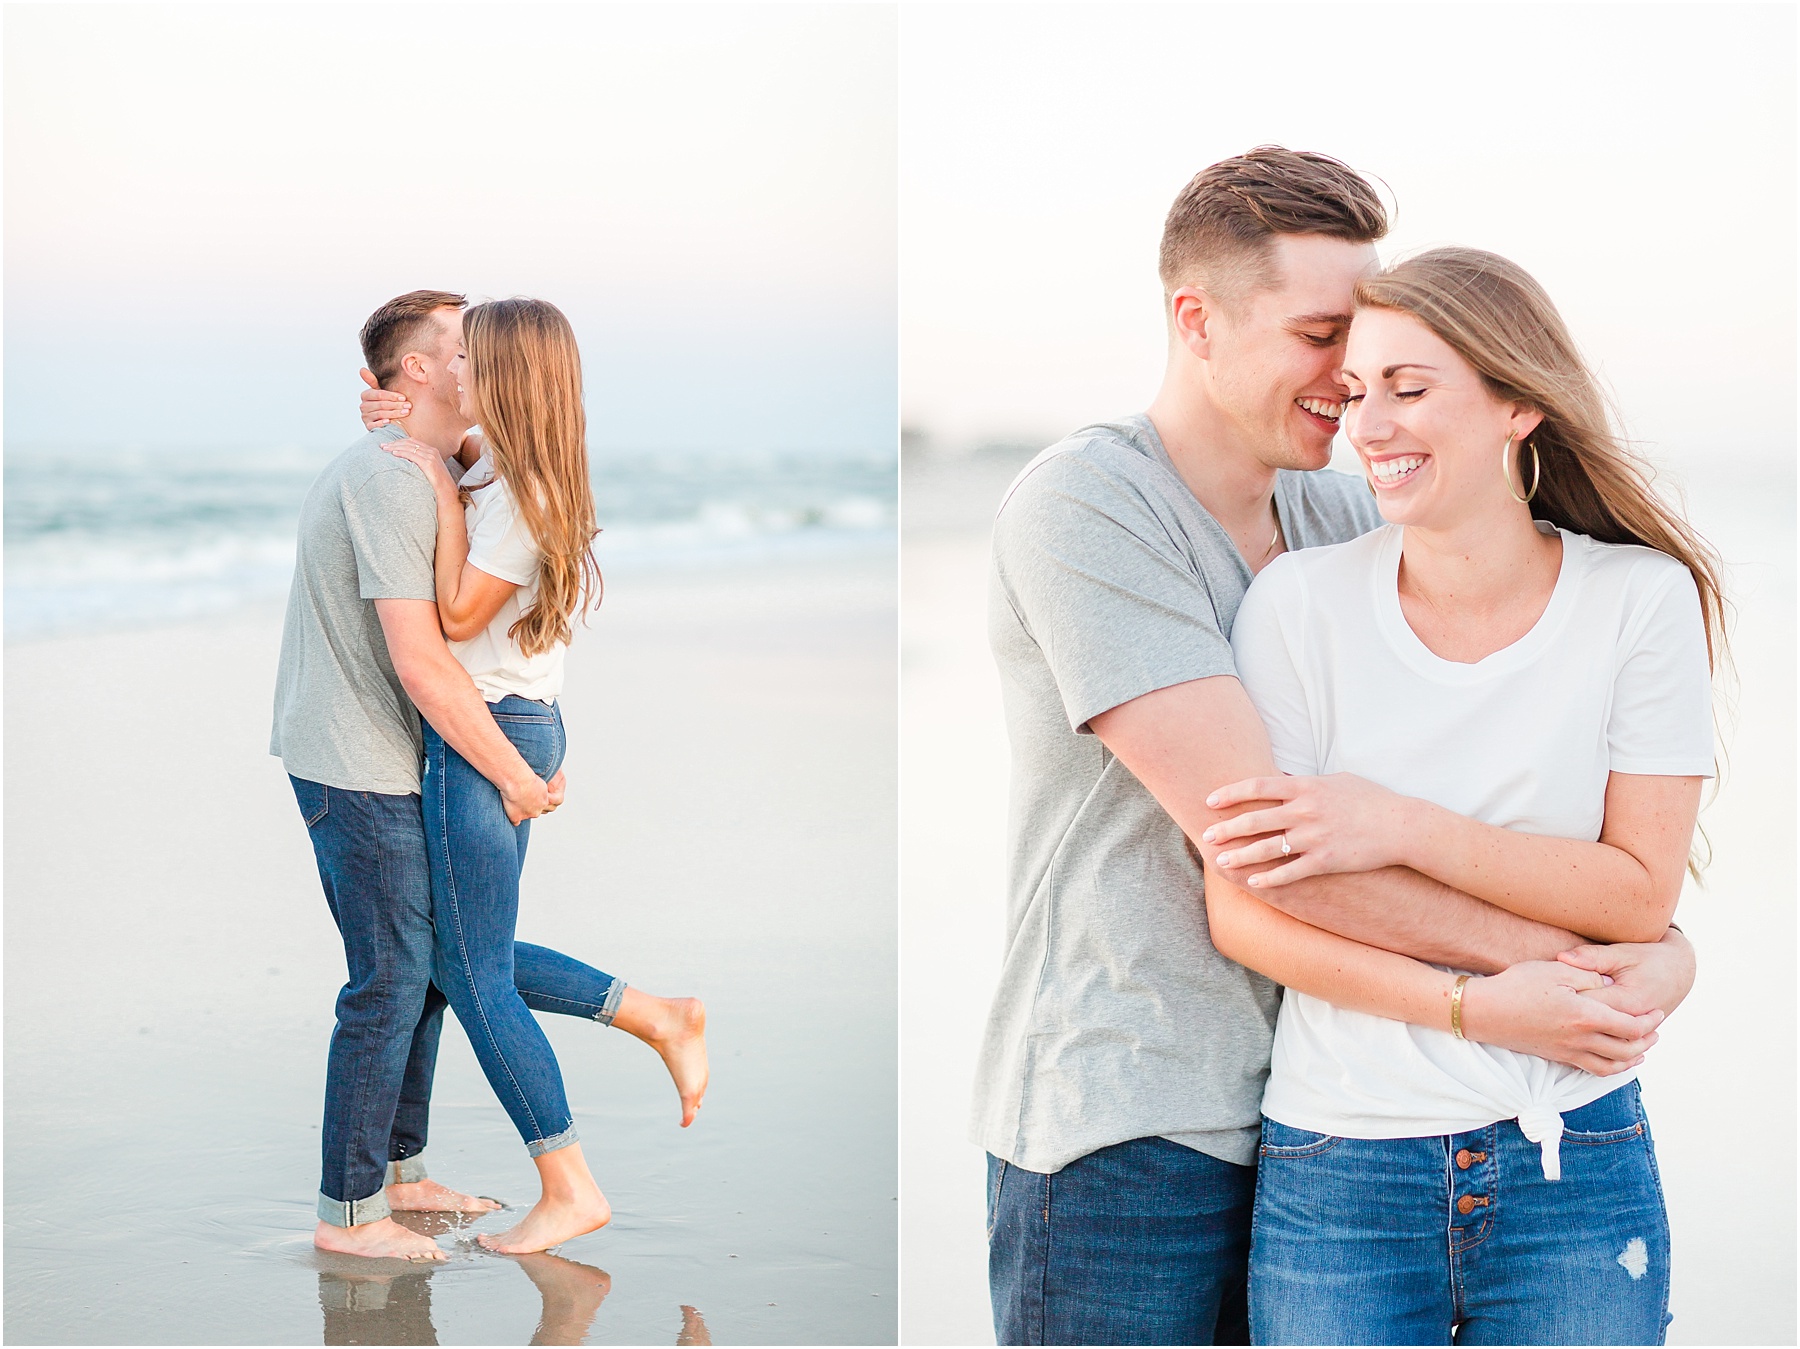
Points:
[(406, 1171), (567, 1138), (353, 1212)]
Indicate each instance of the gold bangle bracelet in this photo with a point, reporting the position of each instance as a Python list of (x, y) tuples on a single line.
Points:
[(1456, 1006)]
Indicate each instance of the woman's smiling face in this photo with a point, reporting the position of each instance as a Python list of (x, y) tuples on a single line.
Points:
[(465, 386), (1428, 430)]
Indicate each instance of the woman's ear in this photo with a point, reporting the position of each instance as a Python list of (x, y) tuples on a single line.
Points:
[(1524, 421)]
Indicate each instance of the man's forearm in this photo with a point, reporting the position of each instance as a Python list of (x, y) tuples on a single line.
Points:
[(1412, 915), (448, 699)]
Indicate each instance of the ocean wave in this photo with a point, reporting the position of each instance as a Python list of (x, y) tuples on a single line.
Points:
[(123, 539)]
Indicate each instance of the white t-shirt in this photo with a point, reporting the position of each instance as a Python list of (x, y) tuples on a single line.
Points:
[(1612, 678), (501, 546)]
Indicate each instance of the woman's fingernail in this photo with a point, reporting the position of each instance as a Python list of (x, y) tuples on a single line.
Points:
[(1255, 882), (1224, 859), (1213, 800), (1209, 835)]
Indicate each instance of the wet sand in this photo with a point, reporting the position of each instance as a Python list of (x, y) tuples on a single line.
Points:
[(1721, 1079), (171, 968)]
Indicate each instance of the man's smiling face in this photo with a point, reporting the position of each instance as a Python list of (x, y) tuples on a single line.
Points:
[(1277, 351)]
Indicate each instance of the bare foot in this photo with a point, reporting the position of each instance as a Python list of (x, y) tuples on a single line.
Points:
[(427, 1196), (681, 1040), (550, 1223), (572, 1293), (693, 1327), (382, 1239)]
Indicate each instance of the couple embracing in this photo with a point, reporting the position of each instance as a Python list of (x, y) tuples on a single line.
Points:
[(438, 576), (1425, 750)]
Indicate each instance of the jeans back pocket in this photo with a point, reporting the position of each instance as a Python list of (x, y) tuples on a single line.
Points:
[(314, 799)]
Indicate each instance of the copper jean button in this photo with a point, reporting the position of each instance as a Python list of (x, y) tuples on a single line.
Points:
[(1465, 1205), (1463, 1159)]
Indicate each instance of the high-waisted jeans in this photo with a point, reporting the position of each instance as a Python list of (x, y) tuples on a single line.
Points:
[(477, 855), (371, 853), (1458, 1238)]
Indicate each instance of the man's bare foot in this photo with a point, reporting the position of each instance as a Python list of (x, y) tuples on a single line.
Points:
[(572, 1293), (427, 1196), (550, 1223), (382, 1239)]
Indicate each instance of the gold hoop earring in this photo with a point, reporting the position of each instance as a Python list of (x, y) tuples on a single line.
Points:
[(1506, 471)]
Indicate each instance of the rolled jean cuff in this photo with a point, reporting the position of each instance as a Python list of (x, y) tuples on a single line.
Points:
[(407, 1170), (562, 1140), (609, 1008), (353, 1212)]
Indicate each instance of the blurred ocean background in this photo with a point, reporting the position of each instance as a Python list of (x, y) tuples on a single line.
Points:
[(107, 537)]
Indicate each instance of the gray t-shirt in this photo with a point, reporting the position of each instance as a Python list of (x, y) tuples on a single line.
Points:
[(367, 532), (1115, 1018)]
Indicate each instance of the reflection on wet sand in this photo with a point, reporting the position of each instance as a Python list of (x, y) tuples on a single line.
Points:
[(390, 1303)]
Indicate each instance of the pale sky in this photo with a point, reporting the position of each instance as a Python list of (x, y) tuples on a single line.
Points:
[(203, 204), (1638, 159)]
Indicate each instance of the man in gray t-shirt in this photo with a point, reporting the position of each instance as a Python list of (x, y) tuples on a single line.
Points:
[(1122, 1066)]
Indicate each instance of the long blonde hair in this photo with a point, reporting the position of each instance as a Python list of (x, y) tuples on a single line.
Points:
[(1503, 324), (527, 396)]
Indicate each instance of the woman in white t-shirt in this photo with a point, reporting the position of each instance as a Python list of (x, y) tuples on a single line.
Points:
[(514, 566), (1507, 688)]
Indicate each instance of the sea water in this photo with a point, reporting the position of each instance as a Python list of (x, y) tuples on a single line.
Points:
[(104, 537)]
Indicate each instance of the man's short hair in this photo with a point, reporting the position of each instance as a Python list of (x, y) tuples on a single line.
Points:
[(1218, 232), (401, 325)]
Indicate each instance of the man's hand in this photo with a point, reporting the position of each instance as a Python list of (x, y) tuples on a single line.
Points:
[(1553, 1010), (558, 788), (526, 798), (381, 406), (1645, 976)]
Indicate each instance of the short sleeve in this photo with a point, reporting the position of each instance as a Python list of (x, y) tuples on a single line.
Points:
[(1098, 580), (499, 543), (1661, 720), (1269, 663), (392, 520)]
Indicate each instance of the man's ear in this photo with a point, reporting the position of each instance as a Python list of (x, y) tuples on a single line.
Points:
[(412, 366), (1192, 314)]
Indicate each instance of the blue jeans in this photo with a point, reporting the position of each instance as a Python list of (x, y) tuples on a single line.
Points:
[(371, 854), (1459, 1238), (477, 855), (1139, 1243)]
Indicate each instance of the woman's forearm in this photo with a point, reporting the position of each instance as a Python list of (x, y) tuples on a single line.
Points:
[(1596, 889), (452, 553), (1622, 888)]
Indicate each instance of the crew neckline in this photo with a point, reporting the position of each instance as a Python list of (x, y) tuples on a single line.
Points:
[(1408, 645)]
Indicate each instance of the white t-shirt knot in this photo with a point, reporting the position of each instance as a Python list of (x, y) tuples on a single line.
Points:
[(1544, 1126)]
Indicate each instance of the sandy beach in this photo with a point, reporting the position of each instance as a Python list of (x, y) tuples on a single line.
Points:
[(1723, 1071), (171, 967)]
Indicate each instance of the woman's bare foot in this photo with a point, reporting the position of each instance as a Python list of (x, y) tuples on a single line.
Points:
[(693, 1327), (676, 1029), (572, 1293), (427, 1196), (572, 1206), (550, 1223), (382, 1239)]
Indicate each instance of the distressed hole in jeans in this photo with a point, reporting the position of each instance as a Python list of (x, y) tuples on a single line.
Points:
[(1635, 1257)]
